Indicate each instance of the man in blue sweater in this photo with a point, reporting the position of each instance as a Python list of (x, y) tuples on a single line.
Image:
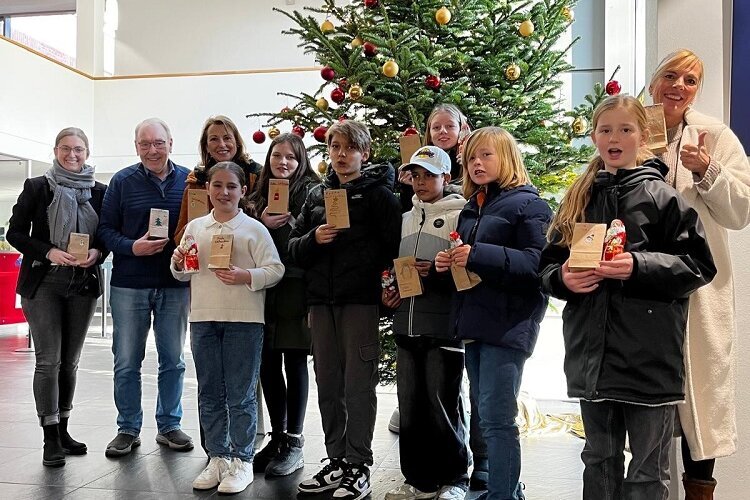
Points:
[(142, 287)]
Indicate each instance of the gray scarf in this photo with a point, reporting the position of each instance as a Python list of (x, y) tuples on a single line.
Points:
[(70, 210)]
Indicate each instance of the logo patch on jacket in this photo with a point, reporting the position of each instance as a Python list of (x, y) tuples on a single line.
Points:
[(439, 223)]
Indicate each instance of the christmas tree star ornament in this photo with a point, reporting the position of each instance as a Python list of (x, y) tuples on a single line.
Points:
[(526, 28), (322, 104), (355, 92), (337, 95), (443, 16), (390, 68), (273, 132), (259, 137), (513, 72), (613, 87), (327, 26)]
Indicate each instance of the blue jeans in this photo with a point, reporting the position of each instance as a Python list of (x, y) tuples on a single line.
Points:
[(132, 309), (495, 378), (649, 429), (227, 363)]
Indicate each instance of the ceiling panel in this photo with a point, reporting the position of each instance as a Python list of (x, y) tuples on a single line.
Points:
[(15, 7)]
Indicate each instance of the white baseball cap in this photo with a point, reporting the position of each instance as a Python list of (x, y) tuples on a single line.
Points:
[(431, 158)]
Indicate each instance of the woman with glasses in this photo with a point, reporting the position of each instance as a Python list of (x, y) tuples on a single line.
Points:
[(58, 289), (220, 141)]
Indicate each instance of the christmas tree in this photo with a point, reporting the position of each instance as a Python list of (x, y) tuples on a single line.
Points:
[(389, 62)]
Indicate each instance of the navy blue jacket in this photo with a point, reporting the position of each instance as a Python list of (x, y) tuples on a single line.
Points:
[(506, 235), (131, 195)]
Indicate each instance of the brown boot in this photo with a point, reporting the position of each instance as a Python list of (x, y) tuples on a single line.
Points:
[(698, 489)]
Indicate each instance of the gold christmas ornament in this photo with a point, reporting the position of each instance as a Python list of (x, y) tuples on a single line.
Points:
[(579, 125), (355, 92), (273, 132), (322, 104), (526, 28), (513, 72), (443, 16), (322, 167), (390, 68), (327, 26), (568, 14), (356, 41)]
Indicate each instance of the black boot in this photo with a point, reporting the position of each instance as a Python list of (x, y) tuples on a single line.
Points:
[(54, 456), (268, 452), (70, 446)]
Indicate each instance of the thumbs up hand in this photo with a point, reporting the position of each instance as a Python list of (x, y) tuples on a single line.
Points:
[(695, 157)]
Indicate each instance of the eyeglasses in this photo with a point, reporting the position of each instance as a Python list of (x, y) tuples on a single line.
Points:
[(67, 149), (145, 146)]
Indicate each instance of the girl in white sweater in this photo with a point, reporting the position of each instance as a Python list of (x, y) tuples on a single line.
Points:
[(226, 325)]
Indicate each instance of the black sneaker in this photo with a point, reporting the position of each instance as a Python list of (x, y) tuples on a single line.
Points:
[(326, 479), (355, 483), (176, 440), (122, 445), (268, 452), (289, 459)]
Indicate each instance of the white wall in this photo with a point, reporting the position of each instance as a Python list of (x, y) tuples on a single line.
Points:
[(38, 99), (702, 26), (175, 36), (185, 103)]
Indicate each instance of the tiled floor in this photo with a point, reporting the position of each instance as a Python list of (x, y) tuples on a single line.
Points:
[(551, 467)]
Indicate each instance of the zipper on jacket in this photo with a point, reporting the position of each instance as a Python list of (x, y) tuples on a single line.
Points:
[(470, 241), (416, 245)]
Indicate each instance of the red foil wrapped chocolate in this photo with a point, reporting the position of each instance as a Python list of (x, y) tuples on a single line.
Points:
[(614, 241)]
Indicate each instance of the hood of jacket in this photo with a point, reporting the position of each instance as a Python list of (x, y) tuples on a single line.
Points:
[(378, 174), (448, 202)]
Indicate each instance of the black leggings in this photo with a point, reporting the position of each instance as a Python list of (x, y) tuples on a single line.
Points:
[(700, 469), (286, 400)]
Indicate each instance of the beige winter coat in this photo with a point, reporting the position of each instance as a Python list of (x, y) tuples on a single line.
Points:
[(722, 199)]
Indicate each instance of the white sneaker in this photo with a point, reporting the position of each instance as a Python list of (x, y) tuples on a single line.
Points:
[(212, 474), (451, 493), (408, 492), (237, 478), (355, 484)]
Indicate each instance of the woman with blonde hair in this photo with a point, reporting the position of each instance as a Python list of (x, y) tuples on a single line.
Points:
[(709, 167)]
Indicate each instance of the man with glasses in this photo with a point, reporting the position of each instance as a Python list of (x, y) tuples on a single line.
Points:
[(143, 288)]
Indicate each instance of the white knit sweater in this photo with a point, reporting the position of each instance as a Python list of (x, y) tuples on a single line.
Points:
[(252, 249)]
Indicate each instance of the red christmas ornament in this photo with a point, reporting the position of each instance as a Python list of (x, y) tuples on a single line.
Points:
[(410, 131), (337, 95), (320, 133), (343, 118), (370, 49), (259, 137), (613, 87), (327, 73), (371, 4), (432, 82), (285, 109), (297, 130), (343, 83)]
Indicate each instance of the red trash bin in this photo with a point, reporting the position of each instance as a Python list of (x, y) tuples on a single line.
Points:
[(10, 312)]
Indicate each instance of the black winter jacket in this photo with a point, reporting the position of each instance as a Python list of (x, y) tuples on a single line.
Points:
[(624, 340), (506, 235), (347, 270)]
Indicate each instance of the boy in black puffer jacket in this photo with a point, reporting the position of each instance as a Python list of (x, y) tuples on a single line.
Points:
[(342, 270)]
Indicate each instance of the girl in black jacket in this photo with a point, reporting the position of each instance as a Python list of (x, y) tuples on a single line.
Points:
[(624, 322), (58, 291), (287, 337)]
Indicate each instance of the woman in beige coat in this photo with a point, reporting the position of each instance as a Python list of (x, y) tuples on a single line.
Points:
[(708, 166)]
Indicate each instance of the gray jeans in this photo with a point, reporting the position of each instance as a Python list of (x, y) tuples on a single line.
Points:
[(58, 320), (346, 349)]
